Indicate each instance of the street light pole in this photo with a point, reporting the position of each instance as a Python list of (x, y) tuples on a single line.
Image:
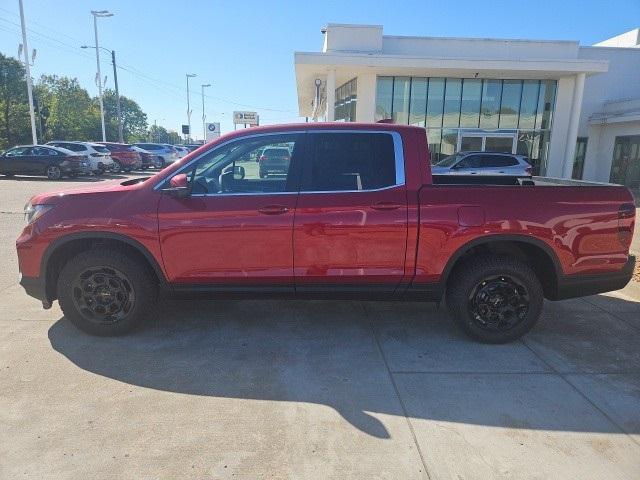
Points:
[(204, 127), (34, 136), (189, 75), (96, 14)]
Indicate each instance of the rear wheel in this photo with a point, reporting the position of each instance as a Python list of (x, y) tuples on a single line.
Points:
[(106, 292), (494, 298), (53, 172)]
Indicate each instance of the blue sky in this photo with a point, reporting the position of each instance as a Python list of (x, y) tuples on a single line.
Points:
[(245, 49)]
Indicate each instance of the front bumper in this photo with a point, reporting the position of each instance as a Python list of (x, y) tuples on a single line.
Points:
[(35, 287), (570, 286)]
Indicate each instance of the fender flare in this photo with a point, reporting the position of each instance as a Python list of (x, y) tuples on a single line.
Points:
[(101, 235), (487, 239)]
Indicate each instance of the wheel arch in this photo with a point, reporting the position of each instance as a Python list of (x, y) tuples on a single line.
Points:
[(64, 248), (539, 255)]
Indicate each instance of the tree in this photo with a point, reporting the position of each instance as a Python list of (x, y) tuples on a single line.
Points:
[(159, 134), (134, 120), (71, 114), (15, 125)]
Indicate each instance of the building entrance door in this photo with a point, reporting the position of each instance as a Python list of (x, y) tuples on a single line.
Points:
[(487, 141)]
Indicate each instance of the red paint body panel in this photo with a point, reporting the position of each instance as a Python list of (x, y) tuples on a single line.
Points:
[(336, 238), (221, 239), (342, 238)]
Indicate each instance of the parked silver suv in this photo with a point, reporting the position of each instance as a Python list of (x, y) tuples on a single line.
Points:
[(483, 163)]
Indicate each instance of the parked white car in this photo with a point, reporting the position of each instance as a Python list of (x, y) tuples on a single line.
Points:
[(182, 151), (165, 153), (483, 163), (98, 155)]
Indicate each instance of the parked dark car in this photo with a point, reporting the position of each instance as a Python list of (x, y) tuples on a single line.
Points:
[(274, 160), (52, 162), (125, 158), (147, 158)]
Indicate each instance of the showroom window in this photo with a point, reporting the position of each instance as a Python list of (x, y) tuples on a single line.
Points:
[(346, 98), (625, 168), (578, 159), (449, 107)]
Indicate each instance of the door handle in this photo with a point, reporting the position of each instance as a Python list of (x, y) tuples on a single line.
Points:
[(386, 206), (273, 209)]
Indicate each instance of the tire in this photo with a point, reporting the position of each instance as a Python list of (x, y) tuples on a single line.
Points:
[(117, 167), (494, 298), (98, 172), (106, 292), (53, 172)]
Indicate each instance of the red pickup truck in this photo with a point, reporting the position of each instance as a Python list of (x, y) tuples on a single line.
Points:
[(356, 213)]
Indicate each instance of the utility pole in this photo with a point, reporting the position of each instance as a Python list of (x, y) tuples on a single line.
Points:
[(96, 14), (34, 136), (204, 126), (189, 75), (115, 79)]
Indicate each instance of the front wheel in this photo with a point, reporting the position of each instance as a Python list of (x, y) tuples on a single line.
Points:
[(494, 298), (53, 172), (106, 292), (117, 167)]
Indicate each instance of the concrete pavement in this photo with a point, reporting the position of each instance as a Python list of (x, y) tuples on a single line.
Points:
[(299, 389)]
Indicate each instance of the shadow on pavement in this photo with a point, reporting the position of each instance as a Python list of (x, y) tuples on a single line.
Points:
[(330, 353)]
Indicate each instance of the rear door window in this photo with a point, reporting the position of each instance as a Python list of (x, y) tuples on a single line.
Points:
[(470, 161), (489, 161), (349, 161)]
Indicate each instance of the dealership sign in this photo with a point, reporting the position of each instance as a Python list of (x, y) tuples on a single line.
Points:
[(246, 118), (213, 131)]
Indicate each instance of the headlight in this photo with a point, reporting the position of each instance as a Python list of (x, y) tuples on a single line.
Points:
[(34, 212)]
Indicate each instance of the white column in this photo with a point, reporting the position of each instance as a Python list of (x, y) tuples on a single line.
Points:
[(366, 102), (560, 126), (572, 133), (331, 96)]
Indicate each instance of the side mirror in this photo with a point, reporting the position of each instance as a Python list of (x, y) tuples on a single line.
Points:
[(238, 172), (178, 186)]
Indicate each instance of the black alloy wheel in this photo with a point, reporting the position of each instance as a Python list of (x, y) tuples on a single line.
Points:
[(103, 294), (499, 303)]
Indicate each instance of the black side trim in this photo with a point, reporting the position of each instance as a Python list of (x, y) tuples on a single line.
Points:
[(570, 286)]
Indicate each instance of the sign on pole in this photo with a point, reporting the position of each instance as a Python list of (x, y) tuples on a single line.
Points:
[(245, 118), (213, 131), (185, 129)]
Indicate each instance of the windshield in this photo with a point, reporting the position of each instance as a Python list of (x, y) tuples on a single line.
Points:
[(448, 161)]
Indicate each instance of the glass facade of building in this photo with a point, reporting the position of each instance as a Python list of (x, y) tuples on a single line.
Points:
[(463, 113), (346, 98)]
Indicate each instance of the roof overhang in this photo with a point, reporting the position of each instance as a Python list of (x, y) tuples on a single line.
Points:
[(310, 66)]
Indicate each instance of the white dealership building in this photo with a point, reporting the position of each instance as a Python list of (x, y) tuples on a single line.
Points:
[(573, 110)]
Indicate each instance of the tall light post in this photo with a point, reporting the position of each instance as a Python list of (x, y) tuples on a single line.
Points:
[(34, 136), (204, 126), (115, 79), (100, 14), (189, 75)]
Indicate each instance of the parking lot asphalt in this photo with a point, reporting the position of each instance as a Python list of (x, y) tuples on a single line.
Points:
[(306, 389)]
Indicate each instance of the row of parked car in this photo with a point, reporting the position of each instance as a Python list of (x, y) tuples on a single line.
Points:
[(57, 159)]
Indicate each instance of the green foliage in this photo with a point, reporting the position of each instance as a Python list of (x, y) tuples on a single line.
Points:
[(134, 120), (15, 126), (158, 134), (65, 111)]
